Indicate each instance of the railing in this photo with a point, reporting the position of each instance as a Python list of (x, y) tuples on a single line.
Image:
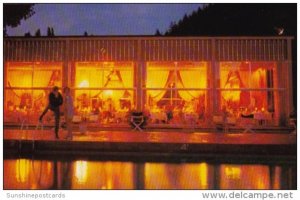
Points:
[(146, 48)]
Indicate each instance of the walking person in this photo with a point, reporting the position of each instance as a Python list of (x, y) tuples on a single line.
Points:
[(55, 100), (68, 111)]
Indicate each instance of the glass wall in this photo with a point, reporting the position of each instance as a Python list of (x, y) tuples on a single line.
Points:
[(104, 92), (248, 87), (27, 87), (176, 92), (173, 93)]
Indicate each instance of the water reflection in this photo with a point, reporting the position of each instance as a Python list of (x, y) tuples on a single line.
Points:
[(234, 176), (178, 176), (82, 174), (28, 174)]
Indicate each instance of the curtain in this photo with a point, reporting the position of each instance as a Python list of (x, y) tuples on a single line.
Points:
[(112, 80), (192, 79), (258, 80), (105, 77), (46, 78), (89, 77), (156, 79), (19, 78), (127, 77), (27, 76), (235, 76)]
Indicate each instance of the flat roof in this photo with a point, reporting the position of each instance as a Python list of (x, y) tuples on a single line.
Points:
[(148, 37)]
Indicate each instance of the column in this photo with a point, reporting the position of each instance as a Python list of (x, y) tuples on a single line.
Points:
[(139, 78), (215, 79), (289, 76)]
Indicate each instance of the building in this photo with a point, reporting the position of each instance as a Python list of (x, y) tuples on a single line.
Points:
[(174, 80)]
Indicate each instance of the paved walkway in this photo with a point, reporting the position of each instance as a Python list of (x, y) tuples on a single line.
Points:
[(141, 144), (155, 137)]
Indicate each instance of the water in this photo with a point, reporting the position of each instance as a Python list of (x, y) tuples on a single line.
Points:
[(24, 173)]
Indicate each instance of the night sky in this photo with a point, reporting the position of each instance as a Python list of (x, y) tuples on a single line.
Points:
[(103, 19)]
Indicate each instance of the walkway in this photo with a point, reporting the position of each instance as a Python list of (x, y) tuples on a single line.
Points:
[(121, 142)]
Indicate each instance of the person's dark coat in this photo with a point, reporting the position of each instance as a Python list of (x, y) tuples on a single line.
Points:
[(55, 101)]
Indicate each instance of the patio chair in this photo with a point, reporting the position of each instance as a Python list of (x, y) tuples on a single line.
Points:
[(137, 122), (220, 123), (293, 125), (247, 124)]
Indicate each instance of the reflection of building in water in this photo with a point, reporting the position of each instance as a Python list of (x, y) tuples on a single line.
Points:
[(81, 170), (28, 174), (81, 174), (234, 176), (179, 79)]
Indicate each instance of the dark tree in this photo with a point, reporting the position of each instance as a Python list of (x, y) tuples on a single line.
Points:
[(50, 32), (244, 19), (85, 34), (13, 13), (238, 19), (157, 33), (28, 34), (38, 33)]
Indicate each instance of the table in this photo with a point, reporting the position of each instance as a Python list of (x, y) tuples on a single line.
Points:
[(121, 116), (160, 116), (261, 117), (191, 117)]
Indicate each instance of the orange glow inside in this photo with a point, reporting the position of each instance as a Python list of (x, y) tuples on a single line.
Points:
[(176, 92), (111, 77), (20, 78), (176, 88), (241, 83), (84, 84)]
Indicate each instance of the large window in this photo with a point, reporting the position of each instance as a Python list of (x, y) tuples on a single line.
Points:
[(248, 86), (105, 89), (27, 87), (176, 92)]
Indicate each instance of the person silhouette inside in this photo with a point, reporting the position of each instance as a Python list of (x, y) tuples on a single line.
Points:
[(55, 100), (68, 111)]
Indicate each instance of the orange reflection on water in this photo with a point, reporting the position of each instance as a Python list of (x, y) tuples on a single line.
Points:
[(22, 170), (81, 174), (103, 175), (244, 177), (178, 176), (277, 178), (81, 171), (28, 174)]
